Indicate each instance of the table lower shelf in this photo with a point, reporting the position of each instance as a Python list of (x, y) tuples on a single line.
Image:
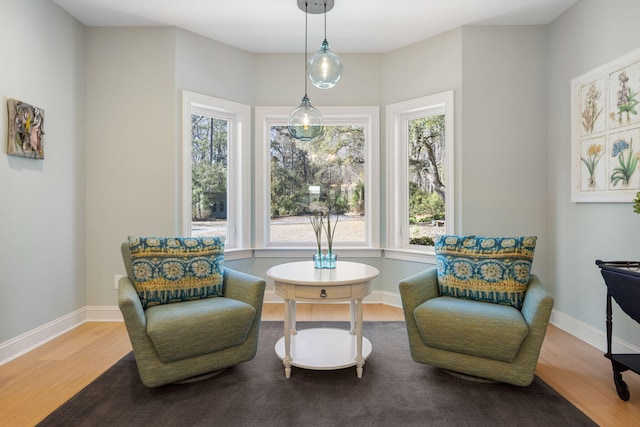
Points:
[(323, 349)]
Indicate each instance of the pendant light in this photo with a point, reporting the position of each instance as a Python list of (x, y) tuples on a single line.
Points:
[(325, 67), (305, 122)]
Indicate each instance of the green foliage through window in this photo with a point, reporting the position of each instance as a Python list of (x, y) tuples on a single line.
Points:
[(333, 163), (426, 148), (329, 171), (209, 151)]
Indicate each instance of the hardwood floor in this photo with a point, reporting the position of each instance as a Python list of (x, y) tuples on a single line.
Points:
[(34, 385)]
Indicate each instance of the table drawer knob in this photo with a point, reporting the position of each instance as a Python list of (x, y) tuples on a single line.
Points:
[(323, 293)]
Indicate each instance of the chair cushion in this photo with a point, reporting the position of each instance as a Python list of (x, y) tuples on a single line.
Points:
[(193, 328), (491, 331), (166, 270), (490, 269)]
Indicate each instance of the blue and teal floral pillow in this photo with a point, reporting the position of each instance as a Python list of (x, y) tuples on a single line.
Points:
[(489, 269), (173, 269)]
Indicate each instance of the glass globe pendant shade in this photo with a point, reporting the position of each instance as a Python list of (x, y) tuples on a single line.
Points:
[(305, 122), (325, 67)]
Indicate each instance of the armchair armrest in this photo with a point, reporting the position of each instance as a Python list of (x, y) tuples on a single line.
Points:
[(537, 305), (244, 287), (130, 305), (416, 289), (419, 288)]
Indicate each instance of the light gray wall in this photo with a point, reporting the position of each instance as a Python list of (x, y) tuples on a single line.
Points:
[(211, 68), (279, 80), (132, 149), (503, 166), (425, 68), (588, 35), (42, 261), (498, 76), (513, 165)]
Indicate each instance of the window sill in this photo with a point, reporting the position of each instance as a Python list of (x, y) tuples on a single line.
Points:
[(413, 255), (423, 256), (234, 254), (308, 253)]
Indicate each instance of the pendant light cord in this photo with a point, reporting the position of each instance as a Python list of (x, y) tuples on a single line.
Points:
[(306, 71), (325, 21)]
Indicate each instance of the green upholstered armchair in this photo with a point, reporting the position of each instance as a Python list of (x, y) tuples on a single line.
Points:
[(180, 339), (480, 312), (480, 339)]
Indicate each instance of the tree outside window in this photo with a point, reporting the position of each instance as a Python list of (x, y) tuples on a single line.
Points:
[(209, 175), (420, 178), (426, 144), (339, 171), (216, 161), (328, 172)]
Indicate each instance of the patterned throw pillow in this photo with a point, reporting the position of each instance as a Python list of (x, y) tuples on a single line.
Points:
[(174, 269), (490, 269)]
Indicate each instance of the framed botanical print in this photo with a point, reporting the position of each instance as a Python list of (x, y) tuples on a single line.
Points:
[(605, 132)]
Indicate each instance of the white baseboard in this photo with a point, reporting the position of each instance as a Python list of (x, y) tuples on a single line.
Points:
[(26, 342), (104, 314), (595, 337)]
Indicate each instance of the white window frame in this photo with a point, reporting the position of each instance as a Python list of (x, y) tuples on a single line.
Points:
[(369, 117), (398, 117), (238, 242)]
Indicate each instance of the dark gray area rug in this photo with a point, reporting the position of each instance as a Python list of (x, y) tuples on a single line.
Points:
[(394, 391)]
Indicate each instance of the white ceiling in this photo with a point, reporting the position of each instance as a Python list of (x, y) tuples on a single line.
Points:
[(353, 26)]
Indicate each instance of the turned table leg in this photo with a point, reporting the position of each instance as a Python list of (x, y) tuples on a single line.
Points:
[(359, 358), (352, 315), (287, 339)]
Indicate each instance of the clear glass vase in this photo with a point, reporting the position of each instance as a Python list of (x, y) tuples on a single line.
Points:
[(318, 261), (329, 260)]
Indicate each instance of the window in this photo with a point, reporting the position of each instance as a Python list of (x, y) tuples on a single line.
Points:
[(216, 163), (420, 179), (338, 170), (209, 148)]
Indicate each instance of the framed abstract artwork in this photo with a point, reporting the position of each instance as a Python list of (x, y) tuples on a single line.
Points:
[(605, 132), (26, 130)]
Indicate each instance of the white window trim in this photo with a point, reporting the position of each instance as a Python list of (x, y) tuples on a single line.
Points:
[(398, 116), (239, 167), (369, 117)]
